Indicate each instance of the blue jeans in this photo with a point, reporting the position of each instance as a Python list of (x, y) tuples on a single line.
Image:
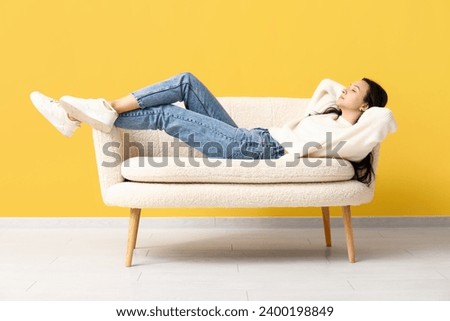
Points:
[(203, 125)]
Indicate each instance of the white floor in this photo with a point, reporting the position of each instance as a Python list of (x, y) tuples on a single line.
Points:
[(224, 264)]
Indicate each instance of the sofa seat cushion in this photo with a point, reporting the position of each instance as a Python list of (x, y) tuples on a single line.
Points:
[(160, 169)]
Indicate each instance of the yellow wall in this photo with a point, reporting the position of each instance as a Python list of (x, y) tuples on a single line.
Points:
[(256, 48)]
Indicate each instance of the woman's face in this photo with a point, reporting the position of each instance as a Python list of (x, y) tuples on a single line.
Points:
[(352, 97)]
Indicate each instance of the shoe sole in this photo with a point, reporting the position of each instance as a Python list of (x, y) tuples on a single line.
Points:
[(77, 114), (36, 100)]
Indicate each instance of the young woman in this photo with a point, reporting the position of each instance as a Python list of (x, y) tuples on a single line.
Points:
[(330, 129)]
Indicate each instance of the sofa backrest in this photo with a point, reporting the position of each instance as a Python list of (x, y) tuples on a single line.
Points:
[(250, 112)]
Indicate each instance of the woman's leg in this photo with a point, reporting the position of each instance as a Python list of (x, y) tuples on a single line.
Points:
[(127, 103), (184, 87), (210, 136)]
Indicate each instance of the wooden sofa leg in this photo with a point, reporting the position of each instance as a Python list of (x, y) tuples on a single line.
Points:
[(135, 215), (347, 217), (326, 225)]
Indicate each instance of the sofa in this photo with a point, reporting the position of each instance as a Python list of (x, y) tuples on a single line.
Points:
[(142, 169)]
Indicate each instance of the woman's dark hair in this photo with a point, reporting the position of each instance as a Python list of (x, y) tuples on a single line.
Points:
[(376, 97)]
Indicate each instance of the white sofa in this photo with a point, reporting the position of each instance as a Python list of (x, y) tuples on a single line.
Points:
[(146, 176)]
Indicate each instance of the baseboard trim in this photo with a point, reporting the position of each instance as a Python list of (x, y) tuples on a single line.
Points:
[(226, 222)]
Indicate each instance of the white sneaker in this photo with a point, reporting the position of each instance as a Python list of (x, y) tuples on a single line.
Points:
[(52, 110), (98, 113)]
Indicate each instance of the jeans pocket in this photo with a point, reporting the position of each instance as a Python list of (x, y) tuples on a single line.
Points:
[(276, 149), (267, 139)]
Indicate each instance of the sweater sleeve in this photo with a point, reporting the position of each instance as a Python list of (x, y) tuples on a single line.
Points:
[(357, 141), (325, 95)]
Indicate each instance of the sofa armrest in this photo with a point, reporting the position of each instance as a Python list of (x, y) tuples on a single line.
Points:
[(109, 157)]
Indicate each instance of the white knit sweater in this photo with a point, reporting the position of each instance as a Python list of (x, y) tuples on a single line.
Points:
[(331, 135)]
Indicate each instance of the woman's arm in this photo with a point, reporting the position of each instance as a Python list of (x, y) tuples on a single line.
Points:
[(325, 95), (358, 140)]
